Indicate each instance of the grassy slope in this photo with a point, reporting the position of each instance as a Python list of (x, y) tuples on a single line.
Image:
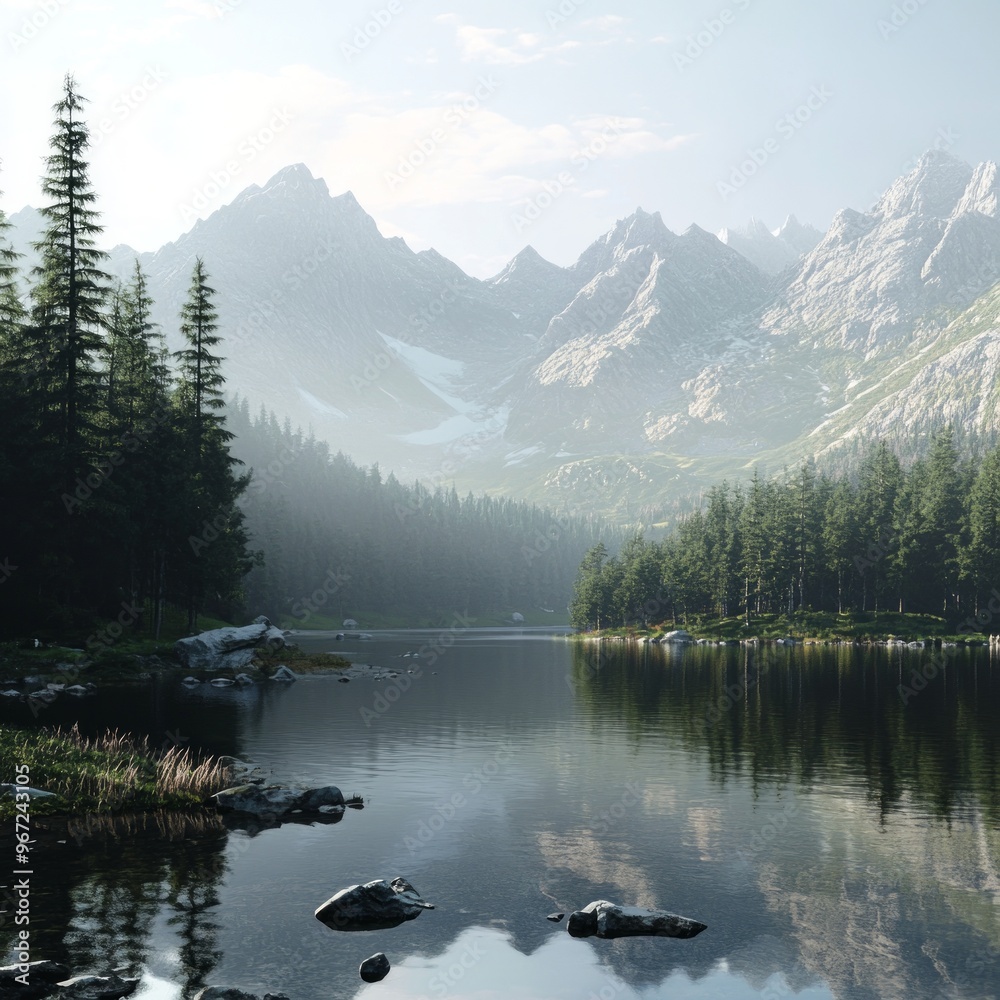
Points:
[(108, 775)]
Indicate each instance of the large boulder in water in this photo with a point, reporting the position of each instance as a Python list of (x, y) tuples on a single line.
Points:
[(221, 648), (258, 801), (608, 920), (319, 798), (677, 637), (373, 906)]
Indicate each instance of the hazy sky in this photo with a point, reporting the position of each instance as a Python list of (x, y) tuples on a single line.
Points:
[(479, 128)]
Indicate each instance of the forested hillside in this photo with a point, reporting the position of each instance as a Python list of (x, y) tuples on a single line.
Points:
[(121, 491), (344, 541), (922, 539), (117, 489)]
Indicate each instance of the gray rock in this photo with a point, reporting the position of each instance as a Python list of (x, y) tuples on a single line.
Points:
[(583, 923), (97, 988), (10, 694), (262, 620), (230, 993), (222, 682), (317, 798), (375, 969), (78, 691), (33, 793), (607, 920), (275, 638), (372, 906), (677, 636), (244, 680), (190, 681), (221, 648), (284, 674), (42, 979), (223, 993), (258, 801), (555, 917)]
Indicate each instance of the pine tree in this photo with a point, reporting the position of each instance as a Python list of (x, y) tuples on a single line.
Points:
[(70, 289), (212, 557), (982, 552), (201, 378), (589, 606)]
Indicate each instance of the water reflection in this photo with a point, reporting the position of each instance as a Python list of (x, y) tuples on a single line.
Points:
[(883, 861), (813, 715), (838, 839), (100, 885)]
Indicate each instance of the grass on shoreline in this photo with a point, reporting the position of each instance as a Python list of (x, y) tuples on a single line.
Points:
[(819, 626), (108, 774), (299, 662)]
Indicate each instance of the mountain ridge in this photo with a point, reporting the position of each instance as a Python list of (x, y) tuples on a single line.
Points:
[(679, 358)]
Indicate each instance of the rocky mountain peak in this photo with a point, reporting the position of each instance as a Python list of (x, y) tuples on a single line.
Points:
[(932, 189), (983, 192), (801, 238)]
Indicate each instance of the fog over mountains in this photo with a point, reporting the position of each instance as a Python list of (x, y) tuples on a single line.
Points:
[(657, 363)]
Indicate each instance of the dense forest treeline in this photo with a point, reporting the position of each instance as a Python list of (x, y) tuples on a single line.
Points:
[(113, 454), (922, 539), (122, 485), (342, 541)]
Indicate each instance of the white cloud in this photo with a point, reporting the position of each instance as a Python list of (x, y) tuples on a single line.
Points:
[(488, 45)]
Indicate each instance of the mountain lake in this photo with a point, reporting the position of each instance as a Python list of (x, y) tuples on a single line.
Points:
[(831, 813)]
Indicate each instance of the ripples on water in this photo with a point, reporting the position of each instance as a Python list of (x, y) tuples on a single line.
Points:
[(839, 839)]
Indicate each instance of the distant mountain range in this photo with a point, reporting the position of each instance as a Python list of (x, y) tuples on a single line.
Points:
[(656, 364)]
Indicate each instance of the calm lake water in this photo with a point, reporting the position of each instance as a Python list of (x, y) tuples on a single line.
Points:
[(839, 838)]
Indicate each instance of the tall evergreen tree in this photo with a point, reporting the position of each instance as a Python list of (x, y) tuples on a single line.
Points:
[(70, 289), (200, 369), (214, 557), (982, 551)]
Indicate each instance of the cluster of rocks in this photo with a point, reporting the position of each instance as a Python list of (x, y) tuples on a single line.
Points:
[(229, 648), (39, 980), (282, 674), (272, 803), (376, 905), (48, 693)]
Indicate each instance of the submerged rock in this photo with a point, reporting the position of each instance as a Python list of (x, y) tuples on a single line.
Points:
[(257, 800), (97, 988), (229, 993), (253, 798), (223, 993), (608, 920), (373, 906), (320, 798), (375, 969), (41, 976)]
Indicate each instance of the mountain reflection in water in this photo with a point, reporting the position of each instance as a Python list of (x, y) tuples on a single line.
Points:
[(839, 840)]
